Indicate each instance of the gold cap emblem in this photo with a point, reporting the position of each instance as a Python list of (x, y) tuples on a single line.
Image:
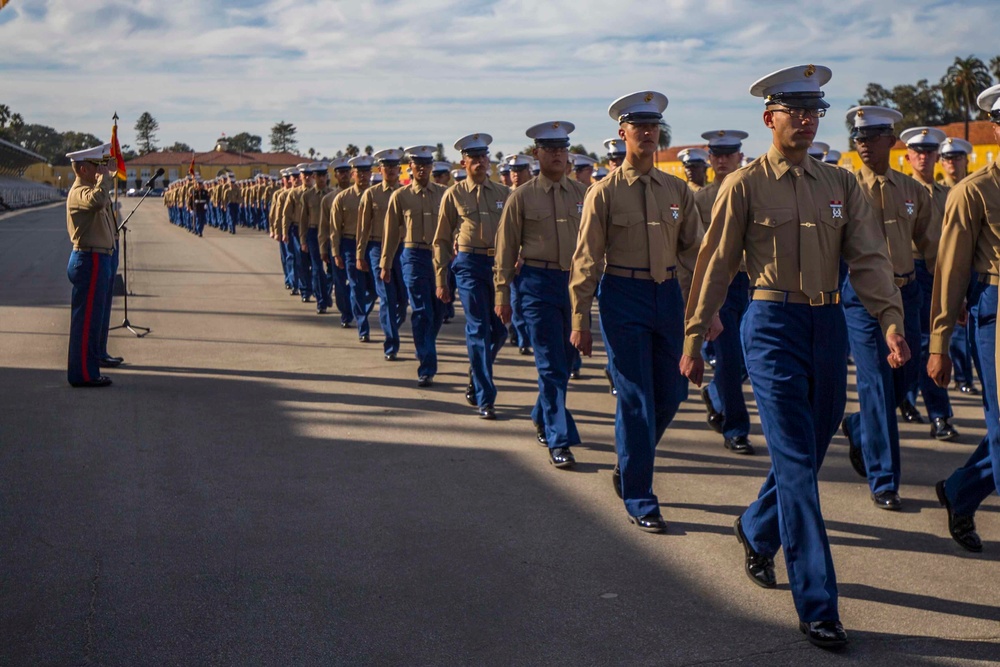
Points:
[(475, 136), (722, 133), (861, 113), (810, 70), (555, 126), (924, 132), (649, 97)]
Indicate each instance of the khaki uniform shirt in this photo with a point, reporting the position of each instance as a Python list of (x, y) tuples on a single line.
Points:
[(948, 182), (695, 187), (534, 227), (234, 195), (938, 194), (907, 219), (412, 218), (472, 212), (371, 214), (326, 219), (614, 232), (970, 241), (704, 198), (756, 215), (89, 219), (311, 211), (345, 216), (274, 217), (290, 209)]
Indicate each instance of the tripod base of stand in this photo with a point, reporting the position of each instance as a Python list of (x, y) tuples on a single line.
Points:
[(134, 329)]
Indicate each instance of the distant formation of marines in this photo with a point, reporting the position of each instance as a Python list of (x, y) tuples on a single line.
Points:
[(778, 271)]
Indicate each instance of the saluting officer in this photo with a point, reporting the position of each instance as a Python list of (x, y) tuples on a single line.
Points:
[(794, 218), (410, 223), (922, 145), (723, 396), (309, 236), (343, 243), (538, 231), (371, 224), (638, 225), (91, 227), (337, 275), (970, 242), (903, 209), (469, 217)]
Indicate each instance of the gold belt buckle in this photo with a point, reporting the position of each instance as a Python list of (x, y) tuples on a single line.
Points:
[(819, 301), (491, 252)]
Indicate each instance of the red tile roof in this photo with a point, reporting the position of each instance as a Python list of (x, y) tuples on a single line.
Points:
[(670, 155), (217, 158)]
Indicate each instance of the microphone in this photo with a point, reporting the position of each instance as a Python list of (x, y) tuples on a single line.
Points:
[(149, 183)]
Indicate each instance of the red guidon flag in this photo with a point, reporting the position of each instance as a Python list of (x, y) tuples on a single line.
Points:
[(116, 154), (191, 168)]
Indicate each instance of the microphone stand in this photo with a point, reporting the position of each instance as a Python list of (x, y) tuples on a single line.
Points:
[(125, 323)]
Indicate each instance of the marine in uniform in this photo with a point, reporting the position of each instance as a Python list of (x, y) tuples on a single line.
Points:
[(407, 239), (818, 150), (695, 162), (535, 245), (91, 228), (309, 233), (276, 229), (198, 204), (234, 199), (638, 225), (723, 396), (441, 173), (583, 169), (955, 165), (903, 209), (504, 170), (794, 218), (343, 243), (520, 170), (469, 217), (371, 224), (289, 217), (970, 242), (615, 152), (600, 173), (954, 160), (337, 275), (922, 145)]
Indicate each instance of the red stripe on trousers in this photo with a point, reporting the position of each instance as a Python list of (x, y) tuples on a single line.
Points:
[(89, 311)]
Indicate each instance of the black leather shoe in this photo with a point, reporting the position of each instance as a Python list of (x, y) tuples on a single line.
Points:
[(524, 350), (854, 452), (425, 381), (470, 392), (714, 417), (561, 457), (649, 523), (909, 413), (102, 381), (968, 388), (391, 356), (364, 338), (574, 375), (288, 287), (295, 292), (321, 310), (825, 634), (346, 325), (487, 412), (616, 480), (759, 568), (110, 362), (962, 527), (611, 381), (540, 435), (942, 430), (739, 445), (305, 298), (887, 500)]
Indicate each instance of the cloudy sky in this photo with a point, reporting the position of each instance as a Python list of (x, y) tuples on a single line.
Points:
[(390, 73)]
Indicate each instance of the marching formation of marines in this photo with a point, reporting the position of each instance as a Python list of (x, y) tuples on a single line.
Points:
[(780, 271)]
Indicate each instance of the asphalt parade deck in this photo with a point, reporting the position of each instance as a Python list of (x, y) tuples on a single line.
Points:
[(259, 488)]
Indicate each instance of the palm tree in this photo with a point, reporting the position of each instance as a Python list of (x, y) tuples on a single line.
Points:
[(369, 150), (664, 142), (962, 84), (995, 67), (351, 150)]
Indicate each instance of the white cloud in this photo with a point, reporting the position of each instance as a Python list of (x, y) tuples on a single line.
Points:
[(393, 73)]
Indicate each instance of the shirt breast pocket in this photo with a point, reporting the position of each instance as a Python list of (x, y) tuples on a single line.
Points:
[(627, 229), (771, 230), (537, 225)]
